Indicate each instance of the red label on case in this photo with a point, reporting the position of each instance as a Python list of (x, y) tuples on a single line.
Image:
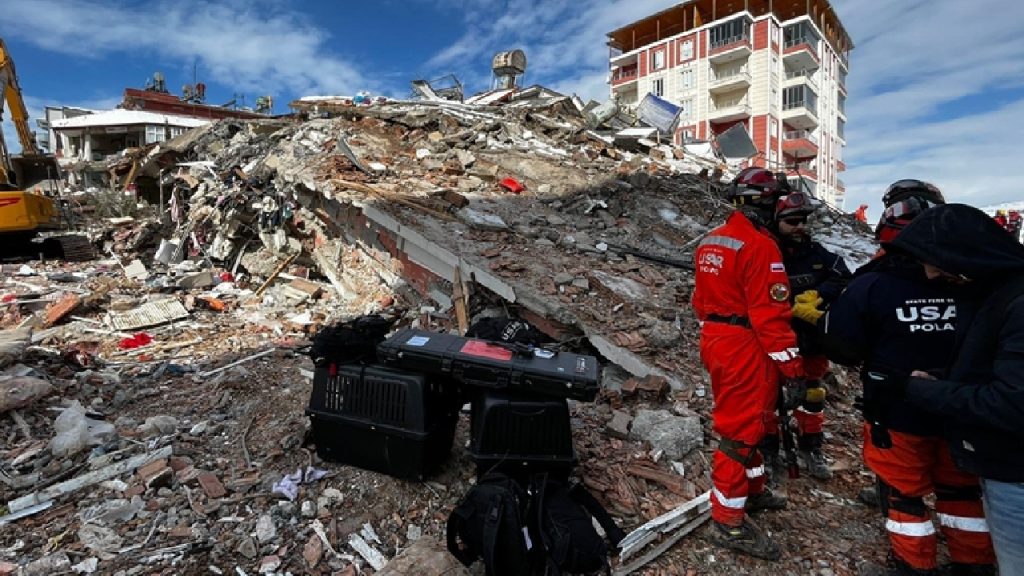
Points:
[(485, 350)]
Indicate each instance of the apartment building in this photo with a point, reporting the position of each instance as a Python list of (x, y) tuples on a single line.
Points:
[(777, 66)]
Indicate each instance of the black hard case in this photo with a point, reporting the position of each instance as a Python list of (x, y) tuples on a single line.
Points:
[(490, 365), (516, 433), (382, 419)]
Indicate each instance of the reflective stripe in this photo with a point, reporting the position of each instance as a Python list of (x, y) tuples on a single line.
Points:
[(735, 503), (724, 241), (784, 355), (917, 529), (755, 472), (965, 523)]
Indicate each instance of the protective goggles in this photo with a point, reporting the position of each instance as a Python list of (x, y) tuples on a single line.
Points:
[(901, 189), (792, 201), (907, 209)]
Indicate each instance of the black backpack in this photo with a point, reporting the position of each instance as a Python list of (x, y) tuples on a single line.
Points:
[(546, 530), (507, 330), (490, 524), (562, 521), (349, 342)]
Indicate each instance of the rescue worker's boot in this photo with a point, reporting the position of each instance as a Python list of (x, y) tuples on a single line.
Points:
[(898, 567), (869, 496), (746, 538), (817, 467), (810, 452), (766, 500), (774, 467), (960, 569)]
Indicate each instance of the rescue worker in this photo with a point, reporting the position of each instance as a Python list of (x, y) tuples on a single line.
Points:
[(892, 320), (981, 396), (1001, 218), (811, 269), (747, 344)]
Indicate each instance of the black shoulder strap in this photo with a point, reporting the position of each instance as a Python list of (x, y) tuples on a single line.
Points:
[(456, 520), (495, 512), (584, 498)]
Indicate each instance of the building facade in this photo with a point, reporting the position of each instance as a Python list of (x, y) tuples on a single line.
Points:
[(778, 67)]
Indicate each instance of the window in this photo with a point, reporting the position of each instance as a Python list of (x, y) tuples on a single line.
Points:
[(685, 50), (686, 78), (774, 157), (155, 133), (797, 96), (729, 32), (773, 128), (685, 108), (658, 87), (657, 60), (686, 135)]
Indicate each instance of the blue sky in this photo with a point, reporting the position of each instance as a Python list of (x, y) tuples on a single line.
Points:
[(936, 86)]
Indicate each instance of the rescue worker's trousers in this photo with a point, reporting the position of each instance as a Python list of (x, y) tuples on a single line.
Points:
[(917, 466), (745, 389)]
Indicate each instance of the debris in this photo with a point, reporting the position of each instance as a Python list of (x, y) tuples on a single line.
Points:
[(256, 356), (426, 557), (674, 435), (618, 426), (265, 529), (681, 521), (13, 344), (152, 314), (21, 391), (288, 486), (512, 185), (372, 556), (61, 308), (87, 479)]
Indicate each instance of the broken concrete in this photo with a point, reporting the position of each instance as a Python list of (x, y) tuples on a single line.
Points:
[(675, 436)]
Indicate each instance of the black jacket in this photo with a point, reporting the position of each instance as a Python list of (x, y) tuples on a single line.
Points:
[(810, 266), (981, 395), (891, 319)]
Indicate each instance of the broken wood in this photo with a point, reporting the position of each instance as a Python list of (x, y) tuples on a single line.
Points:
[(369, 553), (682, 520), (88, 479), (459, 300), (236, 363), (280, 268), (367, 189), (673, 482)]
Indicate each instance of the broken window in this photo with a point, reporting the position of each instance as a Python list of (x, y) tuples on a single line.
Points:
[(658, 87)]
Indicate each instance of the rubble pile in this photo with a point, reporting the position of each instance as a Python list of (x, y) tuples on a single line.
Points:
[(151, 403)]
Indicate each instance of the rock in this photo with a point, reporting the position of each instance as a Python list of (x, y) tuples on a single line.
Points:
[(8, 569), (563, 278), (270, 564), (424, 558), (581, 283), (674, 435), (101, 540), (413, 533), (618, 426), (308, 509), (247, 548), (47, 565), (313, 551), (265, 529), (158, 425), (20, 391)]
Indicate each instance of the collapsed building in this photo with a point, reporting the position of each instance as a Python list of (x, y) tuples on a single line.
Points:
[(441, 210)]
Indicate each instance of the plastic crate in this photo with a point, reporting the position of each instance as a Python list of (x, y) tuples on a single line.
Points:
[(384, 420), (514, 432)]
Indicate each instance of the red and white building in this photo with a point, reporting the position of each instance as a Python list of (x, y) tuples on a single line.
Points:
[(777, 66)]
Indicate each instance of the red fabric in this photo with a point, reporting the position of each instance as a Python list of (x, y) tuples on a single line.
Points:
[(737, 267), (734, 482), (914, 466)]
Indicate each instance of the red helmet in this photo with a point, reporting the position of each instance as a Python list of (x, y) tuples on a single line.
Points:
[(910, 188), (756, 185), (899, 214), (793, 204)]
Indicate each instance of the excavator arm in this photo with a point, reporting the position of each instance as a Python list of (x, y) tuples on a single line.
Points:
[(10, 93)]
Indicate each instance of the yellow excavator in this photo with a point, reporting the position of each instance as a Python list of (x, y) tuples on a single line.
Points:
[(30, 205)]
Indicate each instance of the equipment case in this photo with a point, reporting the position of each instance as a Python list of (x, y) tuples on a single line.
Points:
[(381, 419), (493, 365), (516, 433)]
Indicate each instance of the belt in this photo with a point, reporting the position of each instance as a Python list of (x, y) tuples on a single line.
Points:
[(734, 320)]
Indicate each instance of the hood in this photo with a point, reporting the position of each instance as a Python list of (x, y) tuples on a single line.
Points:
[(961, 240)]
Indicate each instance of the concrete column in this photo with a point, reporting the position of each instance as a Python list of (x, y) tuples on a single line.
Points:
[(87, 145)]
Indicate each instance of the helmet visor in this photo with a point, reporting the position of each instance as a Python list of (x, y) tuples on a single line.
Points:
[(910, 187)]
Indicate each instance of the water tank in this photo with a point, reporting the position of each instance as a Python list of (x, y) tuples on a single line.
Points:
[(509, 63)]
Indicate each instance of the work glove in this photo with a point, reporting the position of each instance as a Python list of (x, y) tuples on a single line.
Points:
[(805, 306)]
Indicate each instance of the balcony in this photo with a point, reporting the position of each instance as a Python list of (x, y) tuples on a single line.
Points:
[(803, 76), (800, 48), (617, 58), (624, 75), (730, 49), (840, 185), (728, 80), (840, 166), (800, 143), (805, 172), (801, 114), (727, 110)]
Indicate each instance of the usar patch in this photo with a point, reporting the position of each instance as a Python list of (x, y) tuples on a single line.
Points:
[(779, 292)]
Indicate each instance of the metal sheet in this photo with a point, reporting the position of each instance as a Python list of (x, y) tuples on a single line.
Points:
[(659, 113), (736, 143), (150, 314)]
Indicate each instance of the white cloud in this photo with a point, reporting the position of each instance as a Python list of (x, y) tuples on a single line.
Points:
[(913, 63), (254, 46)]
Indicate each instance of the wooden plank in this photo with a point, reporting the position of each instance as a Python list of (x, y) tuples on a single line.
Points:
[(280, 268), (459, 299)]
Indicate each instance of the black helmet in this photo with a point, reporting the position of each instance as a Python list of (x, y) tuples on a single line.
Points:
[(911, 188)]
